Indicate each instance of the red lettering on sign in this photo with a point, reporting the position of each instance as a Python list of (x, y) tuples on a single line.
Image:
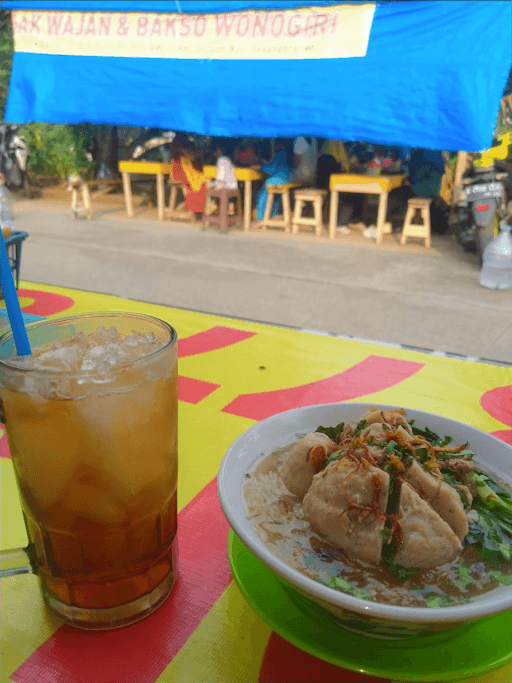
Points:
[(104, 28), (260, 24), (200, 26), (54, 22), (68, 26), (277, 25), (34, 23), (242, 26), (81, 29), (169, 24), (156, 29), (333, 23), (294, 28), (142, 26), (91, 26), (320, 22), (22, 26), (185, 26), (223, 24), (123, 27)]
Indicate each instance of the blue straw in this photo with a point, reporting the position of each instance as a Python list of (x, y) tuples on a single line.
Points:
[(11, 301)]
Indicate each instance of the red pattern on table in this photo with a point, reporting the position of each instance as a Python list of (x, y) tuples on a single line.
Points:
[(215, 338), (373, 374), (498, 403), (139, 653), (45, 303), (285, 663), (194, 390)]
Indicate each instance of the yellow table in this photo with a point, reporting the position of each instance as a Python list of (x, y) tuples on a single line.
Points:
[(362, 184), (144, 167), (233, 373), (247, 176)]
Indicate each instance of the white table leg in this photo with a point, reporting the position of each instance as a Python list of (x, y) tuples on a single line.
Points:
[(127, 189), (333, 216), (160, 195), (247, 203), (381, 216)]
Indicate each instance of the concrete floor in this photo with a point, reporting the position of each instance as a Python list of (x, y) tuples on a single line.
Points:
[(354, 288)]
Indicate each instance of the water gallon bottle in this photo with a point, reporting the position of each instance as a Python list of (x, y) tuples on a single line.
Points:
[(496, 271)]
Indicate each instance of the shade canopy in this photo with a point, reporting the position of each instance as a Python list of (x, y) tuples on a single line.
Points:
[(419, 73)]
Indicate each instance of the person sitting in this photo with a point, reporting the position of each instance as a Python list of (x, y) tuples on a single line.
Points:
[(188, 168), (426, 170), (333, 158), (279, 171), (245, 155), (225, 177), (305, 160)]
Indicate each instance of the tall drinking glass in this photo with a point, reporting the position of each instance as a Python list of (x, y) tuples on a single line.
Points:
[(91, 420)]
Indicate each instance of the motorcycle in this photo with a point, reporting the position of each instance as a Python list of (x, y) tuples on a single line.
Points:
[(483, 199), (13, 157)]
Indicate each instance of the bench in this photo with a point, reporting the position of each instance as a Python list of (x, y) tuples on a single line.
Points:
[(78, 185)]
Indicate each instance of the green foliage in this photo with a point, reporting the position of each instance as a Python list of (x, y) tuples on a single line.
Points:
[(58, 150), (6, 52)]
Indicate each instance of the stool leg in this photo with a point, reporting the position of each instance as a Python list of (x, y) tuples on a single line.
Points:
[(87, 201), (223, 212), (426, 221), (317, 209), (297, 215), (172, 200), (268, 209), (333, 215), (74, 198), (286, 211), (408, 218)]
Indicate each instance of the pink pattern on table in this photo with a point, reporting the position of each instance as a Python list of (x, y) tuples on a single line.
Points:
[(139, 653), (4, 445), (193, 390), (498, 403), (285, 663), (215, 338), (373, 374), (45, 303)]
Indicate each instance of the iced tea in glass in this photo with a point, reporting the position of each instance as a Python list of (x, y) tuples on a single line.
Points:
[(91, 420)]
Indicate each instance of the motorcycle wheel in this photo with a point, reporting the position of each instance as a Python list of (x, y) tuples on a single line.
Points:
[(484, 235)]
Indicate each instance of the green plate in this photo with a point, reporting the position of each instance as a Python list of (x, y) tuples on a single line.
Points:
[(470, 650)]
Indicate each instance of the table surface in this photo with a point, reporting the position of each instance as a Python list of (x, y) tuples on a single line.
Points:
[(386, 182), (241, 173), (232, 374), (150, 167)]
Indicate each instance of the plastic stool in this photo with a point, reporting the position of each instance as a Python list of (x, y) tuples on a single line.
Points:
[(223, 220)]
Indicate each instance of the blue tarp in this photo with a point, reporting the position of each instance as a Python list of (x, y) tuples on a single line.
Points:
[(432, 77)]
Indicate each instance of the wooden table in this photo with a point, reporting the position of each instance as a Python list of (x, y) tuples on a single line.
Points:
[(246, 176), (362, 184), (157, 168)]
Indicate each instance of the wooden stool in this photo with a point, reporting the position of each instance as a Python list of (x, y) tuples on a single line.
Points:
[(411, 229), (316, 197), (283, 220), (173, 211), (78, 185), (224, 219)]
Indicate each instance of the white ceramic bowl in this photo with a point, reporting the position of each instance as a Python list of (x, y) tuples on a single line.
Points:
[(371, 618)]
